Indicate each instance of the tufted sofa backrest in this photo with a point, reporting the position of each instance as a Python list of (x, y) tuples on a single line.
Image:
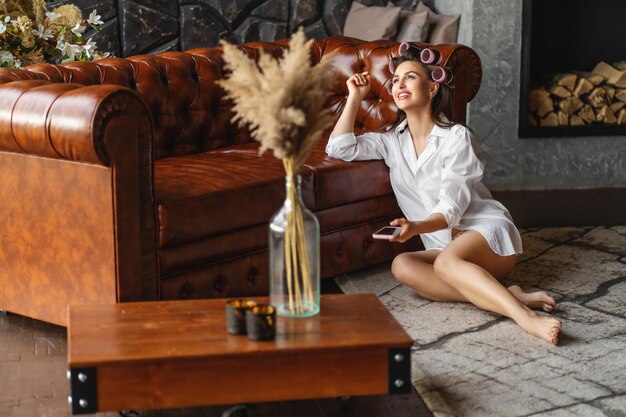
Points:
[(191, 113)]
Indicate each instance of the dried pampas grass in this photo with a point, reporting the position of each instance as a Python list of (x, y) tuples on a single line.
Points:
[(283, 102)]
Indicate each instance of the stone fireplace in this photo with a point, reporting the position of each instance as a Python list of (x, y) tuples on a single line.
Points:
[(572, 70), (514, 162)]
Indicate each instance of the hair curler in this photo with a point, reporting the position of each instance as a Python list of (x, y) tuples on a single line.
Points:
[(404, 46), (430, 56), (441, 75), (402, 49)]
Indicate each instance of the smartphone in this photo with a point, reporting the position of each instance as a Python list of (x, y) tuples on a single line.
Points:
[(386, 232)]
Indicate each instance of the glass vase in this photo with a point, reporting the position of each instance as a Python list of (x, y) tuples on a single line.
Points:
[(294, 255)]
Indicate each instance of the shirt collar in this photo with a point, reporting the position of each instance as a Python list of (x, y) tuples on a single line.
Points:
[(439, 131), (436, 130), (401, 125)]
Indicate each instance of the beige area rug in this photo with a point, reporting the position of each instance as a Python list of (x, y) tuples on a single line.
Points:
[(468, 362)]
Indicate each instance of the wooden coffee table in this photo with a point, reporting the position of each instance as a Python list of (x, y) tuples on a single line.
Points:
[(170, 354)]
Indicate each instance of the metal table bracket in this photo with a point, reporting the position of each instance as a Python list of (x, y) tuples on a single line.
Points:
[(399, 361), (84, 390)]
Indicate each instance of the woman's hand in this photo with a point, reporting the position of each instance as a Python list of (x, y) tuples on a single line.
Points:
[(407, 232), (359, 85)]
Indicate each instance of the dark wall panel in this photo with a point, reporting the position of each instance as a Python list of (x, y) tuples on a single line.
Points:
[(148, 26)]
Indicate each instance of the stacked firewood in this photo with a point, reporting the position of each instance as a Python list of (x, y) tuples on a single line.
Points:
[(578, 98)]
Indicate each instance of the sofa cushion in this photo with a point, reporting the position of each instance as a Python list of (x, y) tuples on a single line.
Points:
[(196, 194), (219, 191), (337, 182)]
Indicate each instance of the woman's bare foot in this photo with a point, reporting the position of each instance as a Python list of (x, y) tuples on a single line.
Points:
[(538, 299), (546, 328)]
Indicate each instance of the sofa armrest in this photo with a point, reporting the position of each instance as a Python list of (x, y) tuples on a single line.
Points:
[(65, 121), (76, 185)]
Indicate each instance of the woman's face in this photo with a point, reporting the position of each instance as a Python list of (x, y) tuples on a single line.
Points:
[(411, 86)]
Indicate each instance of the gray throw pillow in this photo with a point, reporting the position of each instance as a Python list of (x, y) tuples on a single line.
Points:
[(421, 6), (414, 28), (404, 13), (371, 23), (442, 28)]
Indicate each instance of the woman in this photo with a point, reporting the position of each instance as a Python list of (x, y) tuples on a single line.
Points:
[(469, 238)]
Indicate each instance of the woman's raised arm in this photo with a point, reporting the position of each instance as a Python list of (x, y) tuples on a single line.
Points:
[(343, 144), (358, 87)]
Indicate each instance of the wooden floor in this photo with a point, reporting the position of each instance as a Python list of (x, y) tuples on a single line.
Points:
[(33, 363)]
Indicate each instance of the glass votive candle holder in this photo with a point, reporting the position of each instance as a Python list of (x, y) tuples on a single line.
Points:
[(236, 315), (261, 322)]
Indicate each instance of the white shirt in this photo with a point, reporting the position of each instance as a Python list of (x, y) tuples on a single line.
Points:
[(446, 179)]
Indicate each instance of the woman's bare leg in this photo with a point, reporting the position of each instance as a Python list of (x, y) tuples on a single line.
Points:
[(415, 270), (464, 265)]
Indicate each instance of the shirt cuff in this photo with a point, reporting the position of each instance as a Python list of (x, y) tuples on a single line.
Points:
[(338, 142), (448, 211)]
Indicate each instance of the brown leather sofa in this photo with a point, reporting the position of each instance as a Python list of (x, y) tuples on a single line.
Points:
[(125, 180)]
